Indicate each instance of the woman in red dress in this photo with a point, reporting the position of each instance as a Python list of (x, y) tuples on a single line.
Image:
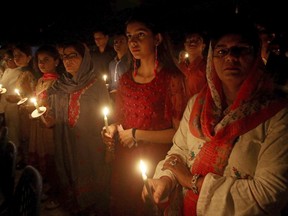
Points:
[(149, 105)]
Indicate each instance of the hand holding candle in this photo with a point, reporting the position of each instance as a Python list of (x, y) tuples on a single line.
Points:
[(144, 177)]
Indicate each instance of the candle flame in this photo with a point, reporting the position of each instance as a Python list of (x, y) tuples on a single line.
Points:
[(33, 100), (105, 111), (186, 55), (143, 168), (17, 91), (105, 77)]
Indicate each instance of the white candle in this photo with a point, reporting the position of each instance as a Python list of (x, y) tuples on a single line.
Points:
[(33, 100), (144, 177), (1, 86), (105, 78), (18, 93), (105, 113)]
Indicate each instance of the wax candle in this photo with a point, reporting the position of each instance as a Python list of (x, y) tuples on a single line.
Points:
[(33, 100), (144, 177), (105, 113)]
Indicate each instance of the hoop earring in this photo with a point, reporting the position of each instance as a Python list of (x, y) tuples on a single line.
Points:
[(156, 62), (135, 67)]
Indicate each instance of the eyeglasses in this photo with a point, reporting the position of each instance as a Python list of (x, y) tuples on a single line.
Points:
[(70, 56), (235, 50)]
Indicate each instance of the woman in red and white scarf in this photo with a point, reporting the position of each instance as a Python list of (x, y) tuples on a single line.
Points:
[(229, 154)]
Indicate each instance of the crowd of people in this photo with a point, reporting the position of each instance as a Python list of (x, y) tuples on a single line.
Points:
[(186, 118)]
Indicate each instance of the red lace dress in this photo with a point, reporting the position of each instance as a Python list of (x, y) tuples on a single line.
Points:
[(149, 106)]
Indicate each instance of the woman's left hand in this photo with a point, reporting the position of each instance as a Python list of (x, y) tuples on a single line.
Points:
[(125, 136), (176, 165)]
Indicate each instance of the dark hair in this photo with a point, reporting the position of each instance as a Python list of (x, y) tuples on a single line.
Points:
[(47, 49), (240, 25), (77, 45), (149, 17), (25, 48), (51, 51)]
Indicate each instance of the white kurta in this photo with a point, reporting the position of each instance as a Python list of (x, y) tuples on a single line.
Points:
[(8, 81), (255, 181)]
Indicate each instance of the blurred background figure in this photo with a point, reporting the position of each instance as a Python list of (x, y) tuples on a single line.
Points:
[(103, 53), (120, 64), (194, 64)]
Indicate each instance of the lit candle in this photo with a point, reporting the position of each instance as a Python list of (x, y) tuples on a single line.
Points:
[(144, 177), (105, 78), (186, 55), (33, 100), (105, 113), (18, 93)]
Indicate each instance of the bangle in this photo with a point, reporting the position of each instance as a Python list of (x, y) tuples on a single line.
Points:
[(194, 180), (133, 136), (110, 148)]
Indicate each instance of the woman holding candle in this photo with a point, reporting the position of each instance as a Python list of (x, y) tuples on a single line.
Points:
[(230, 153), (75, 107), (149, 105)]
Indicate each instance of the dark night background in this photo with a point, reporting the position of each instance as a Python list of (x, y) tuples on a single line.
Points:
[(47, 21)]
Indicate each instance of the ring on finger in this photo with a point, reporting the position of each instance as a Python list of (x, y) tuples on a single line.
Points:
[(173, 162)]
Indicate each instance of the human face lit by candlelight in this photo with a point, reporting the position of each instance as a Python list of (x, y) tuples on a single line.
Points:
[(194, 44), (233, 59), (141, 40), (20, 58), (46, 63), (72, 60)]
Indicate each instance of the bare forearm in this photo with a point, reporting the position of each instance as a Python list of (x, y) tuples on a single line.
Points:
[(161, 136)]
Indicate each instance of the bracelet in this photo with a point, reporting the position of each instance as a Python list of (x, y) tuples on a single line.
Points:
[(133, 136), (194, 180), (110, 148)]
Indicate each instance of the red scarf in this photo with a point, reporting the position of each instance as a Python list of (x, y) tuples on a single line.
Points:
[(254, 104), (52, 76)]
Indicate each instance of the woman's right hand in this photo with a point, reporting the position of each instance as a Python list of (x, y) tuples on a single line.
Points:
[(108, 136)]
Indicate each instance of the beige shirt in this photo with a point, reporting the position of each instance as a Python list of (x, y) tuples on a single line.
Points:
[(255, 181)]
